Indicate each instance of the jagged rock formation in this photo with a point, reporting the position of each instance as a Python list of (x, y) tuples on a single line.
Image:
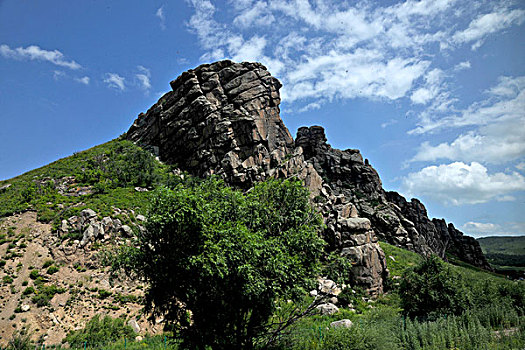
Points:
[(223, 118), (219, 119)]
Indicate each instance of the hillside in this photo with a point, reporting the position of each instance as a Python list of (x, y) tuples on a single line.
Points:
[(61, 225), (56, 222), (506, 253)]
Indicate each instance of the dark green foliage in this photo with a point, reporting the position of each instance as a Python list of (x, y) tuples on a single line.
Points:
[(52, 269), (100, 331), (431, 289), (103, 294), (7, 279), (28, 290), (47, 263), (227, 257), (34, 274), (337, 268), (45, 293)]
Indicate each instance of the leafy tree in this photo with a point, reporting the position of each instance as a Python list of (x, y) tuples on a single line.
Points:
[(432, 289), (218, 261)]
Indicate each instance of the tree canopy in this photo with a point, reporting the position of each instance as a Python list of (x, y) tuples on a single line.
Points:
[(217, 260)]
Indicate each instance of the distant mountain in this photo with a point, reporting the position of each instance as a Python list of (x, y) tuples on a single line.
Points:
[(504, 252)]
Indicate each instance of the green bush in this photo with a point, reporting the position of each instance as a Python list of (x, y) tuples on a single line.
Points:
[(432, 289), (28, 290), (47, 263), (103, 294), (34, 274), (100, 331), (52, 269), (226, 258)]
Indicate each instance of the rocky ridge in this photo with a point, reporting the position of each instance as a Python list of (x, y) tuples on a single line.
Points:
[(223, 119)]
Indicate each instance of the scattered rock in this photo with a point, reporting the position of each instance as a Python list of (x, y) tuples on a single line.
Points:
[(126, 231), (133, 324), (25, 307), (344, 323), (328, 309)]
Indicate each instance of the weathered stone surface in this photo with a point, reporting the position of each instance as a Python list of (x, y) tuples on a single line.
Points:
[(223, 119), (327, 309), (344, 323), (220, 118)]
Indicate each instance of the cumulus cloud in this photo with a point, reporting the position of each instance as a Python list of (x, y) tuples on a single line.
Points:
[(499, 122), (462, 66), (485, 229), (115, 81), (83, 80), (487, 24), (459, 183), (34, 52), (339, 50), (144, 77)]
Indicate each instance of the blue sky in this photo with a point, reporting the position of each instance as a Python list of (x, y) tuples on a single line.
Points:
[(432, 92)]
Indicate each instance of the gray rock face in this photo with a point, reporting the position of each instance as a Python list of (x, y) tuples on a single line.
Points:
[(223, 118)]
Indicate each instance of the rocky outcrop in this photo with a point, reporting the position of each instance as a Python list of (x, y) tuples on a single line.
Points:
[(463, 247), (223, 119), (393, 218)]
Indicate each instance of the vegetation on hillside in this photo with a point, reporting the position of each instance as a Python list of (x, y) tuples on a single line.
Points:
[(98, 178), (504, 252), (240, 261), (226, 258)]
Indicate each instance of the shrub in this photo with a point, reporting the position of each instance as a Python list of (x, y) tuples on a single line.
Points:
[(28, 290), (225, 258), (100, 331), (103, 294), (47, 263), (52, 269), (34, 274), (431, 289)]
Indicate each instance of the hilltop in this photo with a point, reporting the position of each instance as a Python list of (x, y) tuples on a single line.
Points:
[(60, 222)]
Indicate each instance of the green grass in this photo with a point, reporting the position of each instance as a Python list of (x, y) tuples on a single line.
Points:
[(402, 259), (110, 170)]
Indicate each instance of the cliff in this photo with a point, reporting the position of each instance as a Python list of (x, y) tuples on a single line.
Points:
[(223, 119)]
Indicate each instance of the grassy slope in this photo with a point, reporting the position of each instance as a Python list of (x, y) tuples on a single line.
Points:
[(109, 171), (504, 252), (504, 245)]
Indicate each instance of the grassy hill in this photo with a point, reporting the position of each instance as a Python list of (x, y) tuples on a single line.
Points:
[(504, 253), (50, 286)]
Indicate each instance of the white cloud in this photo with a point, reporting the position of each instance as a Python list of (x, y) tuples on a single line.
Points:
[(83, 80), (485, 229), (115, 81), (326, 49), (462, 66), (34, 52), (258, 14), (144, 77), (57, 74), (162, 18), (459, 183), (487, 24), (431, 88), (499, 136), (520, 166), (506, 101)]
